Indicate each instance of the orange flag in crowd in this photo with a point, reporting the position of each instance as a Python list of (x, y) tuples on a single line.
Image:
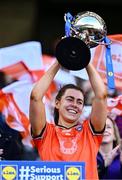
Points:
[(99, 59)]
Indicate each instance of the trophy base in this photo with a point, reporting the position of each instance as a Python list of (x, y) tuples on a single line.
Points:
[(72, 53)]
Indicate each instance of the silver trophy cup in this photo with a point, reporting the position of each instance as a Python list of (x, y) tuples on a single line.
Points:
[(84, 31)]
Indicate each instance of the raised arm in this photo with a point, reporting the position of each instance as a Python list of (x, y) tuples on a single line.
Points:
[(37, 113), (99, 105)]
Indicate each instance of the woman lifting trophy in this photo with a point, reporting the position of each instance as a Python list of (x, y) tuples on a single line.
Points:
[(66, 138)]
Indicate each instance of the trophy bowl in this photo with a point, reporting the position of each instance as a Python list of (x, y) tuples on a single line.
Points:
[(89, 27)]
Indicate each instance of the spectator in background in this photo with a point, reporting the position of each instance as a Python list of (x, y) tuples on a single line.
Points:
[(11, 146), (118, 121), (115, 111), (10, 142), (109, 157)]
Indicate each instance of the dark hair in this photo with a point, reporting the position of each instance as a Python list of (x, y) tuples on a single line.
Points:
[(60, 94), (116, 132)]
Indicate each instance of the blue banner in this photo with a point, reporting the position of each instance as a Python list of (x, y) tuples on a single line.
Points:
[(40, 170)]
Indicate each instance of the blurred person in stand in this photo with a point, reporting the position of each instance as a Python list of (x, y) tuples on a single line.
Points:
[(10, 139), (117, 117), (109, 158), (115, 111), (10, 142), (118, 121), (11, 146)]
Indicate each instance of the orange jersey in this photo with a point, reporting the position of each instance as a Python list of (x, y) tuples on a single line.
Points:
[(78, 143)]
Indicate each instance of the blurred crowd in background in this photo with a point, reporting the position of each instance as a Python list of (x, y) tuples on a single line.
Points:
[(11, 139), (15, 136)]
